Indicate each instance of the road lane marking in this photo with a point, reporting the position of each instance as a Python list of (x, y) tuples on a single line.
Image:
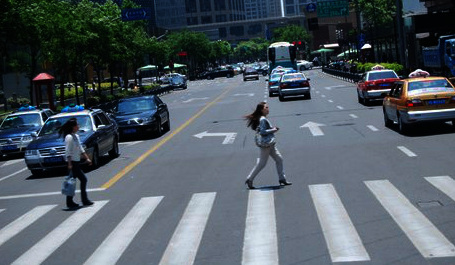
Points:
[(46, 246), (112, 248), (331, 101), (317, 92), (342, 239), (131, 143), (260, 244), (139, 160), (23, 222), (184, 244), (445, 184), (353, 116), (14, 174), (229, 138), (193, 99), (314, 128), (430, 242), (43, 194), (407, 151), (11, 162), (323, 96), (1, 210), (371, 127), (340, 108)]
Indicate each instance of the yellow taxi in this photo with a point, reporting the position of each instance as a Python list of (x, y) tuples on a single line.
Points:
[(420, 99)]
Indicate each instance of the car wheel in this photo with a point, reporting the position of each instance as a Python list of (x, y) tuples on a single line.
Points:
[(264, 73), (37, 172), (359, 99), (244, 80), (270, 94), (114, 152), (402, 126), (209, 77), (228, 75), (257, 78), (387, 121), (159, 129), (308, 95), (95, 158), (167, 125), (280, 97)]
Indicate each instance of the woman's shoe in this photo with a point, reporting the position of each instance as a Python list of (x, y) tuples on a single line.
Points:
[(72, 205), (285, 182), (249, 183), (87, 203)]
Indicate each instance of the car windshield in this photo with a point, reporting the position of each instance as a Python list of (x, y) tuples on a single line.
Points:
[(382, 75), (292, 77), (24, 120), (135, 106), (429, 86), (275, 77), (52, 125)]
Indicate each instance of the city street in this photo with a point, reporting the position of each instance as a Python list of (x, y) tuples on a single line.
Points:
[(362, 193)]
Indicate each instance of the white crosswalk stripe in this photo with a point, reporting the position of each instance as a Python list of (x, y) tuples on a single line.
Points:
[(342, 239), (184, 244), (115, 244), (421, 232), (46, 246), (260, 245), (445, 184), (23, 222)]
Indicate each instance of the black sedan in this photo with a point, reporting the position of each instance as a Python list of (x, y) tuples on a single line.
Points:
[(141, 116), (219, 72)]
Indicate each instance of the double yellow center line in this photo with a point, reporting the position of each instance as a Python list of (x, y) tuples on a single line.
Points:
[(130, 167)]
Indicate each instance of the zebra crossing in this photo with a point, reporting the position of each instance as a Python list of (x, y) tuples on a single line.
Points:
[(261, 234)]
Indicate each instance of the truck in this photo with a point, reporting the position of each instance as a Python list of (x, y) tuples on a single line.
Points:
[(441, 58)]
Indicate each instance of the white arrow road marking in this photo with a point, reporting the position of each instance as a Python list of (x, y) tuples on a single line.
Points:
[(130, 143), (331, 101), (340, 108), (314, 128), (246, 94), (228, 137), (193, 99), (371, 127), (353, 116)]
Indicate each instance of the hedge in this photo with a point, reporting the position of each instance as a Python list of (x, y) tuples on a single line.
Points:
[(364, 67)]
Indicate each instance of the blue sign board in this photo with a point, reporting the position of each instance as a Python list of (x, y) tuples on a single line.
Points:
[(311, 7), (136, 14)]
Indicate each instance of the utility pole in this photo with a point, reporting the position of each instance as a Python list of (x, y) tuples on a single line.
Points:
[(400, 29)]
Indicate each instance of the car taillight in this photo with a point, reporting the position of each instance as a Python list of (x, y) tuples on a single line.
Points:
[(271, 83), (452, 100), (283, 85), (305, 83), (414, 103), (370, 84)]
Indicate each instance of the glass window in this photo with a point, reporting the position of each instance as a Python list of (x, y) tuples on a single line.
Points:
[(206, 19), (382, 75), (97, 120), (221, 18), (191, 6), (191, 21), (290, 10), (254, 29), (135, 106), (44, 116), (293, 76), (222, 32), (289, 2), (237, 30), (25, 120), (205, 5), (53, 125), (429, 86), (220, 5)]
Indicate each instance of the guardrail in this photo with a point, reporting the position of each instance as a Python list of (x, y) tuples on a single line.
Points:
[(351, 77)]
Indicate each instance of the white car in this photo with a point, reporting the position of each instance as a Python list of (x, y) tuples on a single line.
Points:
[(304, 65)]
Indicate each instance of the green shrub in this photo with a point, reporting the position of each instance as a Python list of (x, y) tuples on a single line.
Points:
[(18, 102), (364, 67)]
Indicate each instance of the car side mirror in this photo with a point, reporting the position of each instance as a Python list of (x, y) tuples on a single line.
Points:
[(401, 77), (308, 79), (34, 134)]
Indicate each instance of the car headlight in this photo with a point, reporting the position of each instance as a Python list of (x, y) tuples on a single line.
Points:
[(150, 119), (27, 138), (31, 152)]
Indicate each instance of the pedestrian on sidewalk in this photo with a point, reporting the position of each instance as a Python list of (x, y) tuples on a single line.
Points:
[(258, 122), (73, 152)]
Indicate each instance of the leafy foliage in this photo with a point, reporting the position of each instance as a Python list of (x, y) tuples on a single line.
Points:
[(291, 33), (378, 12)]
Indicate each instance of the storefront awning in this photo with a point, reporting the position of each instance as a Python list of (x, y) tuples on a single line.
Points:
[(331, 46)]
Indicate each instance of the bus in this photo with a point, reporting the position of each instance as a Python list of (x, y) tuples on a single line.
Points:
[(281, 54)]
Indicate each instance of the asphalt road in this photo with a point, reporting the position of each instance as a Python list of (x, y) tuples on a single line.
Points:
[(362, 193)]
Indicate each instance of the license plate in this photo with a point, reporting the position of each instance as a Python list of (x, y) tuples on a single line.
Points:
[(294, 85), (56, 159), (384, 84), (128, 131), (436, 102), (9, 147)]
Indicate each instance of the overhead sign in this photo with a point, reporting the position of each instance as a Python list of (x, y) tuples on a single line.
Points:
[(136, 14), (337, 8)]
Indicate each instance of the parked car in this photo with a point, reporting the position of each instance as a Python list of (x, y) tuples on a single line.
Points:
[(375, 85), (16, 129), (219, 72), (142, 116), (273, 84), (416, 100), (165, 79), (250, 73), (304, 65), (97, 132), (294, 84), (178, 81)]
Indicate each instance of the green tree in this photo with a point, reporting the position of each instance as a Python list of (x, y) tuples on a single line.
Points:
[(291, 33), (252, 50), (377, 12), (220, 51)]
